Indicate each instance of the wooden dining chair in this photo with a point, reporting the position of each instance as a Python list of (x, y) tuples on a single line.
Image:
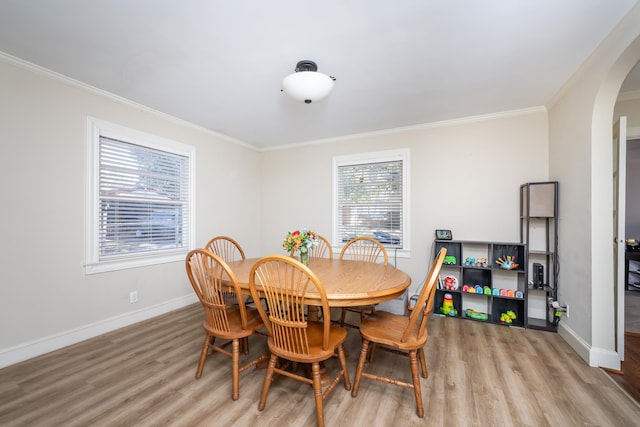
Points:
[(405, 335), (226, 248), (321, 250), (365, 249), (229, 250), (211, 278), (285, 283)]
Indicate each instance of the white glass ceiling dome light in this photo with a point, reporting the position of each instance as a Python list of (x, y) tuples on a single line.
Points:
[(306, 84)]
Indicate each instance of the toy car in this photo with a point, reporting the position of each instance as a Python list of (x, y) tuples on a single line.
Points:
[(449, 260)]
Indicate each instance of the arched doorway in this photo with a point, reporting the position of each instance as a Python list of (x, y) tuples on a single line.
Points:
[(580, 158), (618, 73)]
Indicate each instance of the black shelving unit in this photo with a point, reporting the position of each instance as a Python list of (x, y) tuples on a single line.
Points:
[(501, 290), (539, 231)]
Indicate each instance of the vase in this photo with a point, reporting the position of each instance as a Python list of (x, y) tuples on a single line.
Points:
[(304, 258)]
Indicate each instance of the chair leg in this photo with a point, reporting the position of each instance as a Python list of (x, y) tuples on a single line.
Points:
[(208, 340), (360, 368), (423, 363), (268, 378), (317, 392), (235, 369), (372, 351), (343, 365), (416, 383), (342, 316), (245, 345)]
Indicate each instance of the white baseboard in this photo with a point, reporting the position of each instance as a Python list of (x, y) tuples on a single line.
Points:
[(603, 358), (28, 350), (596, 357)]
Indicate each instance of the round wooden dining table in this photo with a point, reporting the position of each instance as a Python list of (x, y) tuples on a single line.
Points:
[(347, 283)]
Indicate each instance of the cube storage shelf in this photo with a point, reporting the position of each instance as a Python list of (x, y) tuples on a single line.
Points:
[(498, 289)]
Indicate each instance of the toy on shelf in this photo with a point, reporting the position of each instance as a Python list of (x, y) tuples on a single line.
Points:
[(470, 261), (507, 263), (451, 283), (447, 306), (472, 314), (508, 317), (481, 262), (449, 260)]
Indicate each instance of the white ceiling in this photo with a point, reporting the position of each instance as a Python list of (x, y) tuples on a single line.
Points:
[(219, 64)]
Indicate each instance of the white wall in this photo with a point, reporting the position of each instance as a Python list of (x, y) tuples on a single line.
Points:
[(46, 300), (465, 176), (580, 158)]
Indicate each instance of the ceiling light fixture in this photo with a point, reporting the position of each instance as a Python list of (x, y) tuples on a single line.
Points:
[(306, 84)]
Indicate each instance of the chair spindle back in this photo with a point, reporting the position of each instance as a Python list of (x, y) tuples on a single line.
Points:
[(424, 305), (212, 280), (285, 282), (226, 248), (364, 248)]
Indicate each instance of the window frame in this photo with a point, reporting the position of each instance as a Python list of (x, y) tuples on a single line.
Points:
[(96, 129), (402, 155)]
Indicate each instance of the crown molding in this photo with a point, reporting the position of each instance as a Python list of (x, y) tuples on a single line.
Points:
[(413, 128), (18, 62)]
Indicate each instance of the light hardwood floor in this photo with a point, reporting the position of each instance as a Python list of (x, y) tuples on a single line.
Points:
[(480, 375)]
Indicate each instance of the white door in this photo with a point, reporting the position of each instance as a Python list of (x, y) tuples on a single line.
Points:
[(619, 244)]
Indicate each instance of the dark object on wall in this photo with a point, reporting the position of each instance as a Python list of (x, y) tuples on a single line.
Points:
[(538, 275), (444, 235)]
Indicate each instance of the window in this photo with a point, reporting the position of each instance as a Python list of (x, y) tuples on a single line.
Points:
[(371, 197), (140, 198)]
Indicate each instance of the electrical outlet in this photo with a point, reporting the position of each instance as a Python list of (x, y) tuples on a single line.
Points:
[(133, 297), (567, 311)]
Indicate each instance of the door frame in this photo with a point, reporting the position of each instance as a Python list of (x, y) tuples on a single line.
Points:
[(632, 133)]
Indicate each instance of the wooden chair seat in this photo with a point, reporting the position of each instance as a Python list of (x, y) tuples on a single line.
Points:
[(236, 331), (387, 328), (315, 335)]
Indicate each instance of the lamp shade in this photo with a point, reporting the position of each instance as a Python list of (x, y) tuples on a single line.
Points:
[(306, 84)]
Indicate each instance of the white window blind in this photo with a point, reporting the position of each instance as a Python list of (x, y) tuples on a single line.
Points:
[(370, 201), (143, 199), (140, 201)]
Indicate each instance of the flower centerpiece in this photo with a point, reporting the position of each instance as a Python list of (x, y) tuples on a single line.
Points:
[(300, 241)]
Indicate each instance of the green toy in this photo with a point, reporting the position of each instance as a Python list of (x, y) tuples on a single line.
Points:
[(508, 317), (449, 260), (447, 306), (472, 314)]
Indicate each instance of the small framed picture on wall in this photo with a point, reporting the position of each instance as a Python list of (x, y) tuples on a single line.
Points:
[(443, 235)]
